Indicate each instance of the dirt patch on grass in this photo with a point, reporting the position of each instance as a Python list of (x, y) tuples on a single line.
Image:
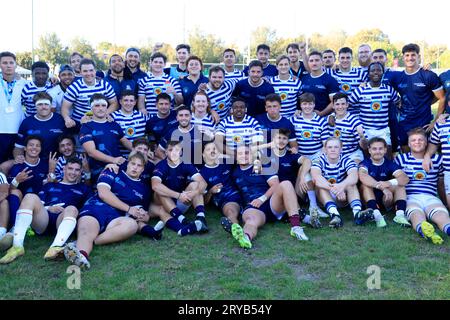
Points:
[(300, 272)]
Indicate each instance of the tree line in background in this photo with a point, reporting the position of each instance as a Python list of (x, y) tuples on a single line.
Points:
[(210, 48)]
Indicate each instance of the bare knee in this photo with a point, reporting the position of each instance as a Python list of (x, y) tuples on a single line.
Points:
[(130, 226), (70, 211)]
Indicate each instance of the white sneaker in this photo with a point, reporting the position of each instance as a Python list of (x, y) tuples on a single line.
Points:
[(298, 233)]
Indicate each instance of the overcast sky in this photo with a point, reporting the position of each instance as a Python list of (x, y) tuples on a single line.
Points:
[(233, 21)]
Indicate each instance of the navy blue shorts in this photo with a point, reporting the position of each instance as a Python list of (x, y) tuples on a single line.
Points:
[(379, 197), (220, 202), (266, 208), (104, 214), (51, 229)]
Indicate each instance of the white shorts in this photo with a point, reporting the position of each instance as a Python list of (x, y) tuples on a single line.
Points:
[(357, 155), (422, 202), (379, 133), (447, 182)]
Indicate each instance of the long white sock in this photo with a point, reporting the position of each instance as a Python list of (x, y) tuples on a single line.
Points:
[(312, 198), (24, 218), (400, 213), (377, 214), (307, 219), (2, 232), (65, 229)]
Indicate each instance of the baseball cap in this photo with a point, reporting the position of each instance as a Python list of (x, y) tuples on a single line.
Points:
[(65, 67), (133, 49)]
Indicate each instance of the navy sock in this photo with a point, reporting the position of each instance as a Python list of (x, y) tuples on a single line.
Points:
[(175, 212), (150, 232), (447, 229), (174, 224), (200, 209), (190, 228), (372, 204), (14, 204), (400, 205)]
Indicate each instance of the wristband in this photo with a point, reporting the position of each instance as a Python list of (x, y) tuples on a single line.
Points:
[(263, 198), (128, 211), (15, 183), (393, 182)]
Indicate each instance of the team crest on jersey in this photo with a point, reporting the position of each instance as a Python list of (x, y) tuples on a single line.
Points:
[(337, 133), (420, 175), (376, 106), (283, 96), (346, 88), (307, 134), (221, 105), (237, 139), (332, 180), (157, 91), (130, 131)]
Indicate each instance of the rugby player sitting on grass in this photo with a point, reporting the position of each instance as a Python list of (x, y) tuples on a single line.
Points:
[(54, 210), (113, 214), (265, 198), (335, 177), (383, 183)]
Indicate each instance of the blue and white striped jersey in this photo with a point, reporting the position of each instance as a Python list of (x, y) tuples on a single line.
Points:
[(152, 86), (373, 105), (235, 75), (310, 133), (133, 126), (289, 91), (349, 81), (239, 133), (204, 124), (345, 130), (79, 94), (335, 173), (420, 182), (441, 135), (221, 98), (3, 179), (28, 92), (61, 162)]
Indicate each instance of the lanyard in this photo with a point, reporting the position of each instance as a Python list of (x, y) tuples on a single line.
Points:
[(8, 89)]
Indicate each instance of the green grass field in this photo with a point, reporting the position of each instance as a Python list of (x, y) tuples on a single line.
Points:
[(332, 265)]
